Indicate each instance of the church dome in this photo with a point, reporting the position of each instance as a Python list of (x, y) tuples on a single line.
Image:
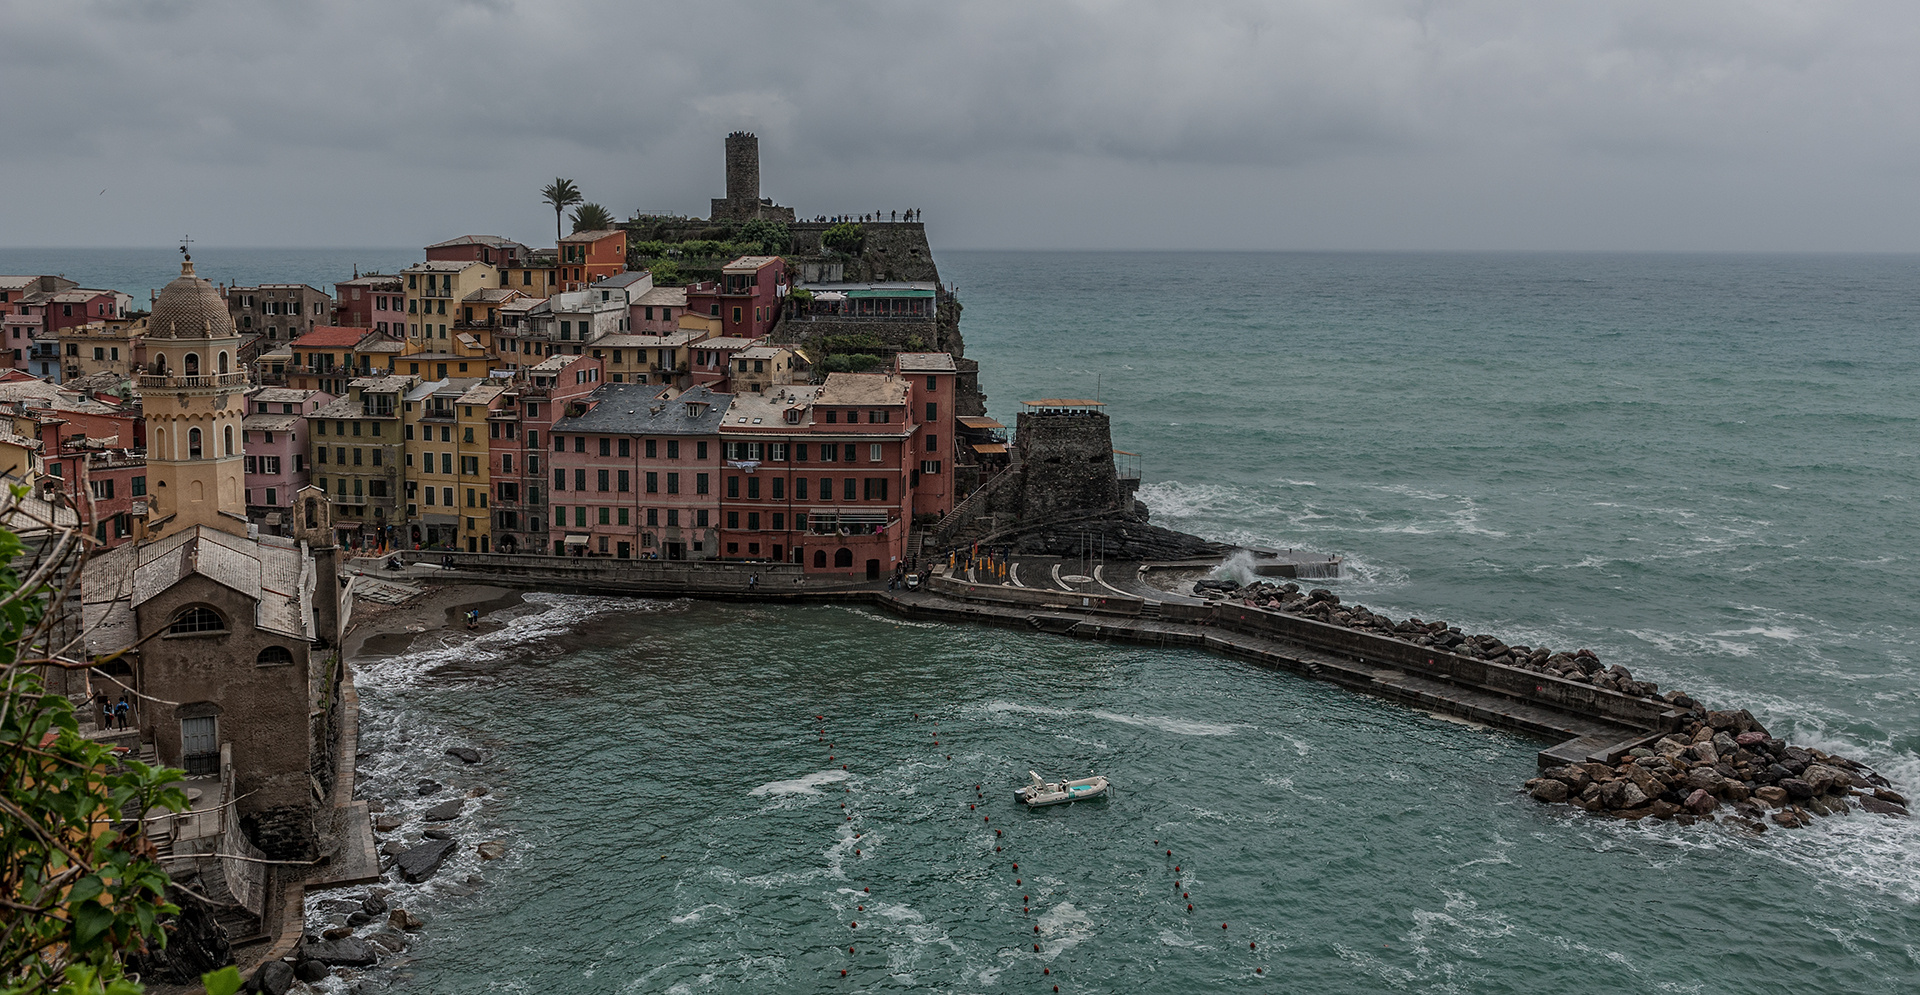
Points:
[(190, 308)]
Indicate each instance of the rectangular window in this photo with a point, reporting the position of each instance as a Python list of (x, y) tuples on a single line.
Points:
[(933, 411), (776, 452), (753, 521), (139, 487), (559, 443), (876, 488), (673, 483), (779, 488), (700, 482), (733, 487), (559, 480), (446, 464), (931, 466), (799, 452), (847, 489), (446, 496), (580, 516), (579, 443), (653, 482), (623, 517), (733, 519), (601, 480), (933, 443), (626, 480), (847, 452), (650, 448), (873, 452), (799, 488), (626, 448), (829, 453), (673, 448), (779, 522), (606, 446), (320, 455), (753, 487), (357, 453), (833, 417), (580, 479), (471, 498), (826, 488), (605, 518), (699, 522), (700, 452)]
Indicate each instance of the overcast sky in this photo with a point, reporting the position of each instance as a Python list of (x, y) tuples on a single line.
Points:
[(1291, 124)]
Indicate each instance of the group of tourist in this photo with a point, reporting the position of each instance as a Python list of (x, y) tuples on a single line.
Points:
[(911, 214)]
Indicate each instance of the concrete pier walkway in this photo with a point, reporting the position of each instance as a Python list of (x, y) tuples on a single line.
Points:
[(1114, 602)]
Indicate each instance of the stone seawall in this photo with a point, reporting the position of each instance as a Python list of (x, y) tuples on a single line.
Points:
[(1598, 736)]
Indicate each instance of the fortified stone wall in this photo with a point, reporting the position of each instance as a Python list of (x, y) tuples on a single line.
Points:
[(1068, 466)]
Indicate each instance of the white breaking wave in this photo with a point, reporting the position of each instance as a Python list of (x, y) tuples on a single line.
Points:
[(545, 616), (808, 785), (1164, 723)]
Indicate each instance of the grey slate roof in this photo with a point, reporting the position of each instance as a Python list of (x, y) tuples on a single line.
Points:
[(638, 409)]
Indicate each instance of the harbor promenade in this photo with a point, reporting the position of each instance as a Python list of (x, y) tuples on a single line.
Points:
[(1124, 602)]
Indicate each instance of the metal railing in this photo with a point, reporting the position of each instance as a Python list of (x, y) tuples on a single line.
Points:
[(170, 381)]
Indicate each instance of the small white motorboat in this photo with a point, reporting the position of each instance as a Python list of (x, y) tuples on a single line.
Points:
[(1039, 793)]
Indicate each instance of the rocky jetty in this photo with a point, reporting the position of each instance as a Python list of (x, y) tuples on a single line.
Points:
[(1580, 666), (1721, 763), (1715, 763)]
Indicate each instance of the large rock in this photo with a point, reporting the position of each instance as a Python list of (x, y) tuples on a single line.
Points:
[(274, 977), (1575, 777), (419, 862), (1772, 794), (405, 921), (1547, 789), (1797, 787), (310, 971), (494, 849), (1882, 807), (387, 823), (425, 788), (464, 754), (1704, 752), (1703, 777), (1750, 739), (1622, 795), (349, 951), (389, 941), (446, 810), (1824, 778), (1724, 720), (1700, 802)]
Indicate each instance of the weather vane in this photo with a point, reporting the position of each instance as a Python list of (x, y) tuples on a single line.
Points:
[(186, 240)]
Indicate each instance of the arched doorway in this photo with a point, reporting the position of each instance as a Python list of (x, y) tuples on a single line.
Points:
[(873, 569), (820, 559), (843, 557)]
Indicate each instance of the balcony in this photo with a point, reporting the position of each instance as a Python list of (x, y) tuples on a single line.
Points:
[(224, 381)]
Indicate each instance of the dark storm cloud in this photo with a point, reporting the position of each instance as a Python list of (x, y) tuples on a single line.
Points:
[(1344, 123)]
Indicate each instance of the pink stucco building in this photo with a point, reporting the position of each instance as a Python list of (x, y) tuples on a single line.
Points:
[(274, 439)]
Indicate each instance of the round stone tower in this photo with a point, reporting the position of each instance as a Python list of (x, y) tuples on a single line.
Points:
[(193, 398), (743, 169)]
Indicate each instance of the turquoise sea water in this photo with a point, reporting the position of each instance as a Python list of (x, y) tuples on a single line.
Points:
[(1702, 467)]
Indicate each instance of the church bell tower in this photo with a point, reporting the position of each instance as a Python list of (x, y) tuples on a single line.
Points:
[(193, 398)]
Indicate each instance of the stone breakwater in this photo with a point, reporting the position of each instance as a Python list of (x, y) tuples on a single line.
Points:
[(1714, 761)]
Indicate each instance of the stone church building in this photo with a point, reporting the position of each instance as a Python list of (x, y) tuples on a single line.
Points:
[(229, 639)]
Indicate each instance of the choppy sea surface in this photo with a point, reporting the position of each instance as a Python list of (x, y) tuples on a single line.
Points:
[(1703, 467)]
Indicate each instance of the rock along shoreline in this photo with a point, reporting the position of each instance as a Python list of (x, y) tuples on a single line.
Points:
[(1717, 763)]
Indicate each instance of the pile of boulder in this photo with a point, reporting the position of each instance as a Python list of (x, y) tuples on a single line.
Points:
[(1580, 666), (1717, 762), (1721, 763)]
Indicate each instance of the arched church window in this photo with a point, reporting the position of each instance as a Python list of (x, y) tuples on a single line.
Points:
[(193, 443), (274, 656), (229, 430), (160, 364), (223, 362), (196, 618), (192, 363)]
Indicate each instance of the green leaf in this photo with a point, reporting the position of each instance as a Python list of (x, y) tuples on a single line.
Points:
[(90, 919), (87, 887), (225, 981)]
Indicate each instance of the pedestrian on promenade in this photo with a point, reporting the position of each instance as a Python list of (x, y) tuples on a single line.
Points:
[(106, 712), (121, 710), (753, 582)]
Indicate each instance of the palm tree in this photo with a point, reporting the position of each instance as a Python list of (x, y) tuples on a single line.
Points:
[(592, 217), (560, 195)]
